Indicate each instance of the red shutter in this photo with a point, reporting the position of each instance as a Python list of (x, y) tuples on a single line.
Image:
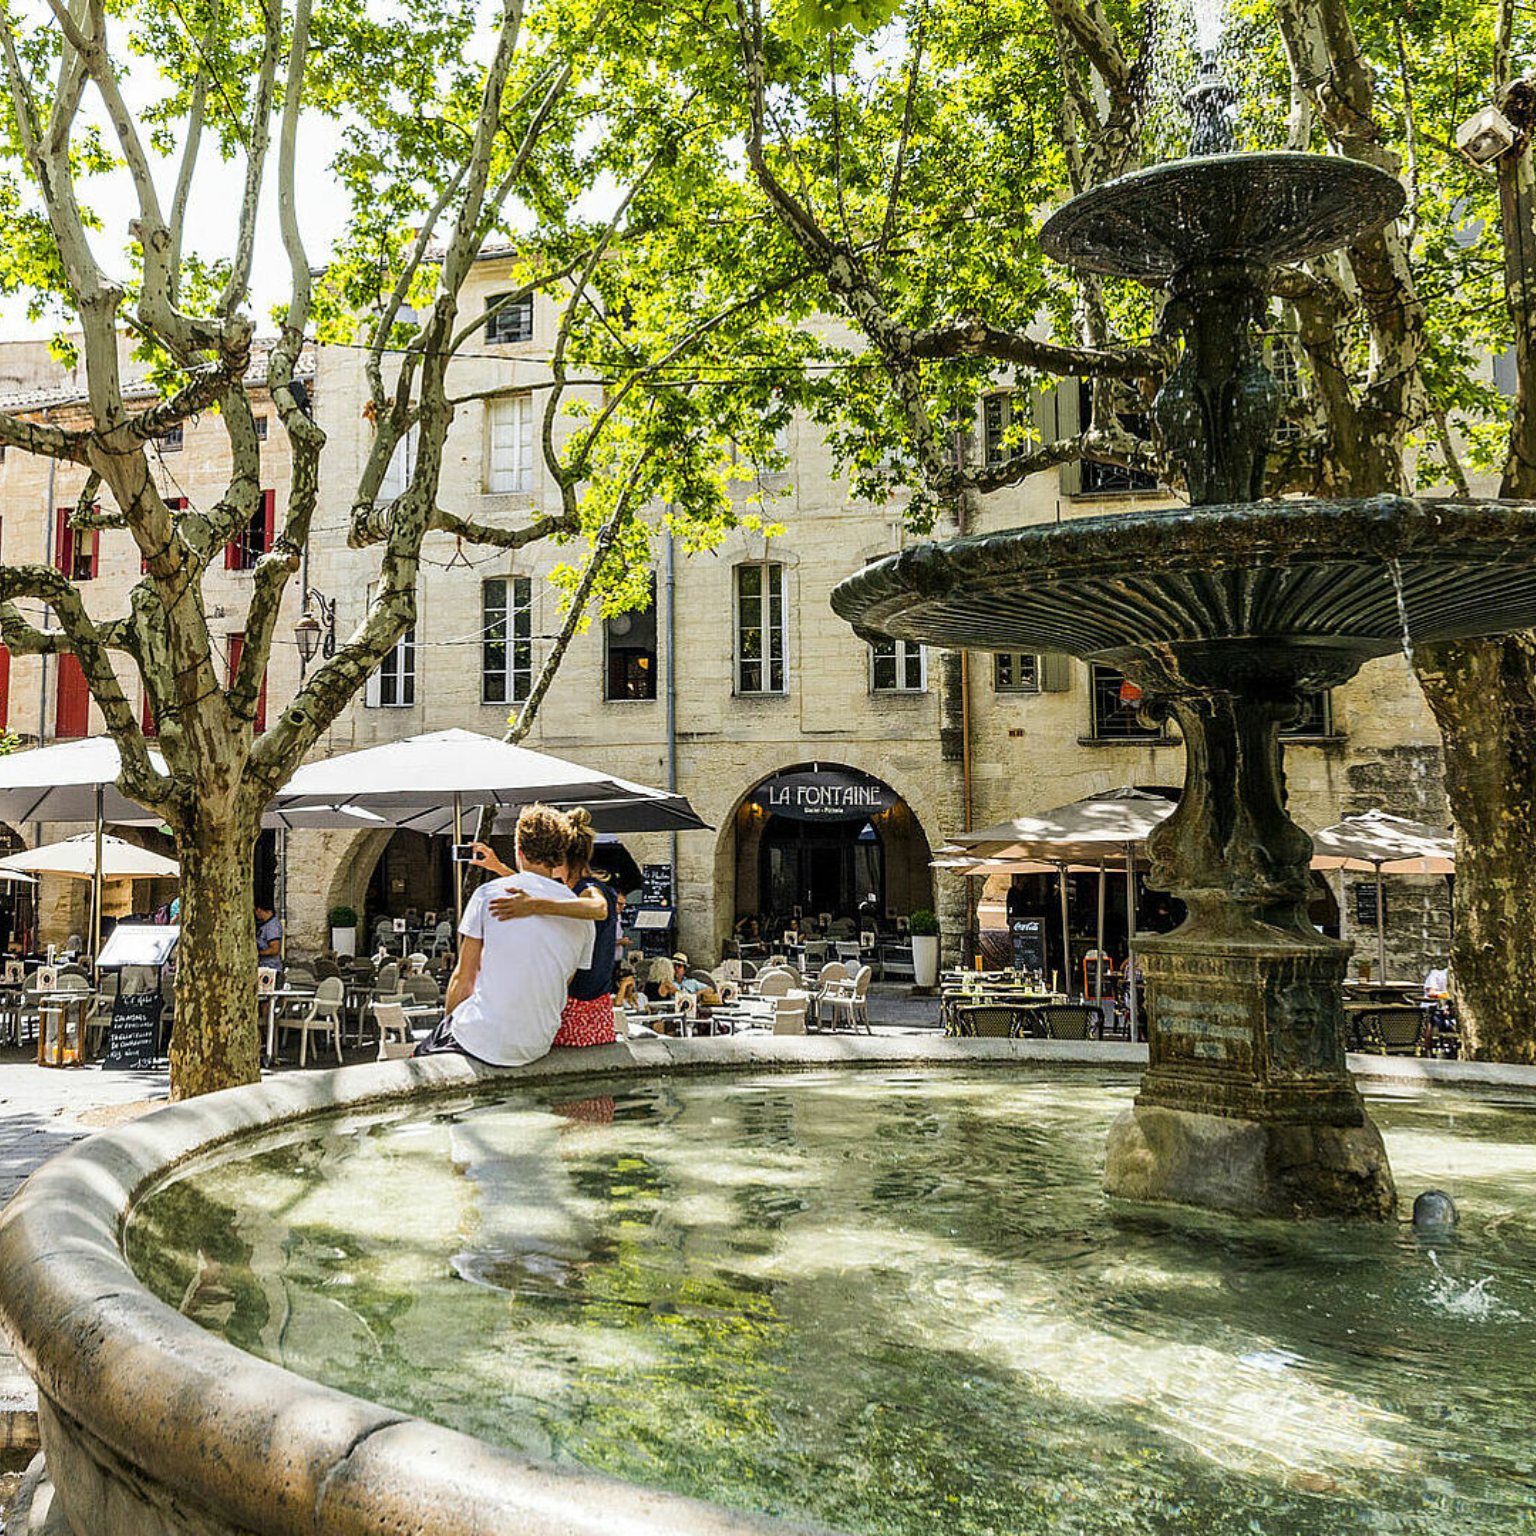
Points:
[(95, 553), (63, 543), (5, 687), (268, 521), (147, 720), (72, 707), (236, 649)]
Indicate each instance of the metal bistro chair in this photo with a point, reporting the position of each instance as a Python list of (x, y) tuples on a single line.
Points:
[(1393, 1031), (992, 1021), (1070, 1021)]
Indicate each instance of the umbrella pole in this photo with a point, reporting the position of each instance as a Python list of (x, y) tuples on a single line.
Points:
[(1066, 934), (1098, 944), (282, 895), (96, 893), (1381, 927), (458, 869), (1130, 930)]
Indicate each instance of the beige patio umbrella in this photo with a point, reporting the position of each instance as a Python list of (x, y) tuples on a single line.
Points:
[(1097, 828), (1377, 842), (75, 858)]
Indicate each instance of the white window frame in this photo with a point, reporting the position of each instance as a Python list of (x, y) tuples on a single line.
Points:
[(515, 615), (772, 574), (908, 660), (509, 445), (398, 670)]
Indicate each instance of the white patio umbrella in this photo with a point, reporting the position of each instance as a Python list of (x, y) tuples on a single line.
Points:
[(1384, 844), (75, 859), (413, 782), (73, 781), (1114, 824), (95, 857)]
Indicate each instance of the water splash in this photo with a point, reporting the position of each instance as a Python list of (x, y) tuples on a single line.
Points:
[(1473, 1301), (1395, 571), (1209, 24)]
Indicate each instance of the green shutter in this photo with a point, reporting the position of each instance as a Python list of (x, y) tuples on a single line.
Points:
[(1055, 672), (1068, 424)]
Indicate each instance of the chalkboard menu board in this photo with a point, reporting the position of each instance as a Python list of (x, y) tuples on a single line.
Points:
[(1028, 945), (134, 1042), (656, 885), (1365, 904)]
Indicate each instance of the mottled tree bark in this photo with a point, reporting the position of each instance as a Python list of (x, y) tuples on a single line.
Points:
[(215, 1043), (1483, 694)]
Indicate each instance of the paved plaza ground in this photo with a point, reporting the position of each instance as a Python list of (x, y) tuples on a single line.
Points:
[(44, 1109)]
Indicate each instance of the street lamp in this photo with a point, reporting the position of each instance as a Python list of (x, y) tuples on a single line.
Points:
[(315, 631)]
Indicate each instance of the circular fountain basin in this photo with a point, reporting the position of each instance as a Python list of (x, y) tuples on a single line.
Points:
[(880, 1301), (1339, 577), (1270, 208)]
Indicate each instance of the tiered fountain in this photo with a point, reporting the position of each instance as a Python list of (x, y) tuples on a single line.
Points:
[(1225, 615)]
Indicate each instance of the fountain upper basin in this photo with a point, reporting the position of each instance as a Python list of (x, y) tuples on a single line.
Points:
[(1267, 208), (1312, 574)]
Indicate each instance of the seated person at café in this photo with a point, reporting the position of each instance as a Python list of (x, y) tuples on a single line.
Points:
[(660, 986), (269, 934), (1438, 982)]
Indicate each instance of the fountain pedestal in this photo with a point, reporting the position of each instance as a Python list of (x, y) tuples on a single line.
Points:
[(1247, 1104)]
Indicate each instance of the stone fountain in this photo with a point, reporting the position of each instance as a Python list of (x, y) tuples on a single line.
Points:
[(1226, 614)]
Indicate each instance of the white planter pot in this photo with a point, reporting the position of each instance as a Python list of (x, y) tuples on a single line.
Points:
[(344, 940), (925, 959)]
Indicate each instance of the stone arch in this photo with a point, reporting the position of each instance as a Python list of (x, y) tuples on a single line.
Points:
[(913, 805)]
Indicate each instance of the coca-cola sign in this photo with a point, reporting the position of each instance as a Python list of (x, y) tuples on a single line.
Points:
[(824, 794)]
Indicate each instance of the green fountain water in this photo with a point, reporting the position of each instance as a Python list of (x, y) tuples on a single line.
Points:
[(895, 1303)]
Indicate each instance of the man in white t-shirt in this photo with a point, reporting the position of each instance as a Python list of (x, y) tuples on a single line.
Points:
[(507, 991)]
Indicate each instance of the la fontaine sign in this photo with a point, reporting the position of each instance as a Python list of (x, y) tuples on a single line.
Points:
[(824, 794)]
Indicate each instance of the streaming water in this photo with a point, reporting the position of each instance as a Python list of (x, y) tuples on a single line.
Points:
[(893, 1302), (1395, 571)]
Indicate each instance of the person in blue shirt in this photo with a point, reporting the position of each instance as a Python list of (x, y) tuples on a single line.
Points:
[(269, 934)]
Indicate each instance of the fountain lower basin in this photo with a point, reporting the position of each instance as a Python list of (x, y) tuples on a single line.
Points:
[(153, 1425)]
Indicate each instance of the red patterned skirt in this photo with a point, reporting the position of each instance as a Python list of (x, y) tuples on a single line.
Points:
[(586, 1022)]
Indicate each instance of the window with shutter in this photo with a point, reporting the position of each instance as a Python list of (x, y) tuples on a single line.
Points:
[(1016, 672), (76, 551), (509, 445), (255, 539)]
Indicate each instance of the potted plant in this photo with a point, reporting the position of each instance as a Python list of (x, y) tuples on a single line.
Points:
[(344, 930), (925, 947)]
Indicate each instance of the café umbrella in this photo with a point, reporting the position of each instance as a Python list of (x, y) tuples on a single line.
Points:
[(425, 782), (1114, 824), (73, 781), (1383, 844)]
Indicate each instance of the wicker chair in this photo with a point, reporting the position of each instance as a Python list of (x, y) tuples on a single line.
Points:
[(991, 1021), (1393, 1031), (1071, 1021)]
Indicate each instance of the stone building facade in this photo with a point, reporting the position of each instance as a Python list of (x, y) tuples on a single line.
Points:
[(738, 676)]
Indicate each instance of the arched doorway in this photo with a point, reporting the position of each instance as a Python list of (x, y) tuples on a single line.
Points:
[(819, 840)]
